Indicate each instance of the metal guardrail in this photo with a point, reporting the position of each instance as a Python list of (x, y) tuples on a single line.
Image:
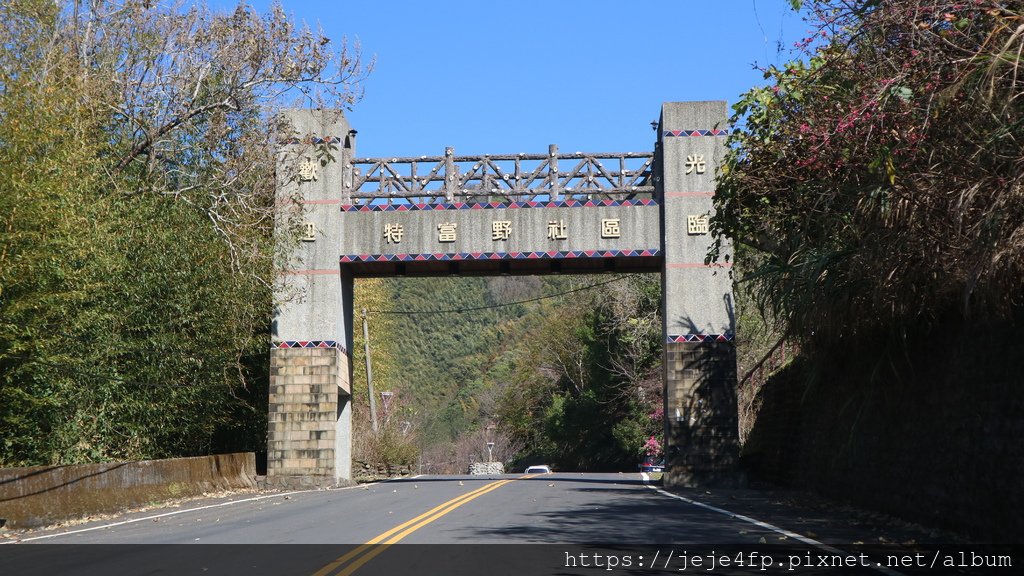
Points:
[(504, 177)]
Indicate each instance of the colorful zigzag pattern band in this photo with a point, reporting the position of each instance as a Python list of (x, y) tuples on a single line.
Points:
[(287, 344), (685, 133), (350, 258), (671, 338), (496, 205)]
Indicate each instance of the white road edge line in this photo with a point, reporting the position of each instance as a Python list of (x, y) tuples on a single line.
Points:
[(772, 527), (174, 513)]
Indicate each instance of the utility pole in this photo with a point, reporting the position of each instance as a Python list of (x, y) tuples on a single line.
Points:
[(369, 374)]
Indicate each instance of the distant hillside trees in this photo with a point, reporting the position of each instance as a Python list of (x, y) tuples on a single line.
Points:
[(557, 369), (586, 387)]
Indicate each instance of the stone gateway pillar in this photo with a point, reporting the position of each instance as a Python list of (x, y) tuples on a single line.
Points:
[(310, 415), (701, 423)]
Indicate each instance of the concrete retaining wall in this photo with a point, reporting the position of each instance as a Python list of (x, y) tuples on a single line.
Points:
[(42, 495), (928, 429)]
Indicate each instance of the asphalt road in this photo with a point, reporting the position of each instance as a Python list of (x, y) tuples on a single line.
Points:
[(355, 530), (546, 508)]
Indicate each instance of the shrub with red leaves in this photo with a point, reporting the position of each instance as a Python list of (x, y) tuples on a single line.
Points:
[(878, 178)]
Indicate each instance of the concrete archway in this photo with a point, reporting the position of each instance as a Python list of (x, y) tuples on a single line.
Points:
[(501, 214)]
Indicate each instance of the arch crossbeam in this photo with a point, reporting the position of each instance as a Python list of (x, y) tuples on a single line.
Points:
[(502, 177)]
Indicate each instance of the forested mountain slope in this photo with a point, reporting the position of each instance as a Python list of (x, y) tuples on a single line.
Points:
[(561, 369)]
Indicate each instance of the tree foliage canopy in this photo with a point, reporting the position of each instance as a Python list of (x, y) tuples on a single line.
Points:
[(585, 390), (137, 216), (880, 176)]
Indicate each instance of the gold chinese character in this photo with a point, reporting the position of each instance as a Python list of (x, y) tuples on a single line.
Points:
[(695, 162), (500, 229), (556, 230), (393, 233), (697, 224), (446, 232), (307, 170), (610, 228), (309, 229)]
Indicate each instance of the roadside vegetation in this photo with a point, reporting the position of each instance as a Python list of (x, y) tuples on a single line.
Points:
[(137, 221), (876, 189), (877, 180)]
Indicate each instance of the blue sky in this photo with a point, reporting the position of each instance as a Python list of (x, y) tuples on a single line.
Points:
[(514, 76)]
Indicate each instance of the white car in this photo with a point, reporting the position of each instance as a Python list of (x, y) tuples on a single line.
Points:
[(542, 469)]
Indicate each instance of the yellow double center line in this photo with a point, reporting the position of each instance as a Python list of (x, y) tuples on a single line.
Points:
[(351, 561)]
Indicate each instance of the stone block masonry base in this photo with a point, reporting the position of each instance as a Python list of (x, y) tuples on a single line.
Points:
[(702, 427), (309, 420)]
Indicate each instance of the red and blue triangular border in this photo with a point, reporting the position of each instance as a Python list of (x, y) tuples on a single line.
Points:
[(700, 338), (690, 133), (288, 344), (538, 255), (496, 205)]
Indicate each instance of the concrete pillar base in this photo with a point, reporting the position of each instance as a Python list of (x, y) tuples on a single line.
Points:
[(308, 439), (702, 427), (296, 482)]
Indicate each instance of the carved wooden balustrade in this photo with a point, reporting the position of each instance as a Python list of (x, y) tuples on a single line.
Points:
[(500, 178)]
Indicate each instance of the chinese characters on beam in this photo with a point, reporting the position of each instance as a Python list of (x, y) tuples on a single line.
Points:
[(557, 230), (393, 233), (502, 229), (610, 228), (446, 232)]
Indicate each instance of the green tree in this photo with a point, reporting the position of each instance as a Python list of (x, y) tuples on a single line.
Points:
[(53, 231), (137, 146)]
